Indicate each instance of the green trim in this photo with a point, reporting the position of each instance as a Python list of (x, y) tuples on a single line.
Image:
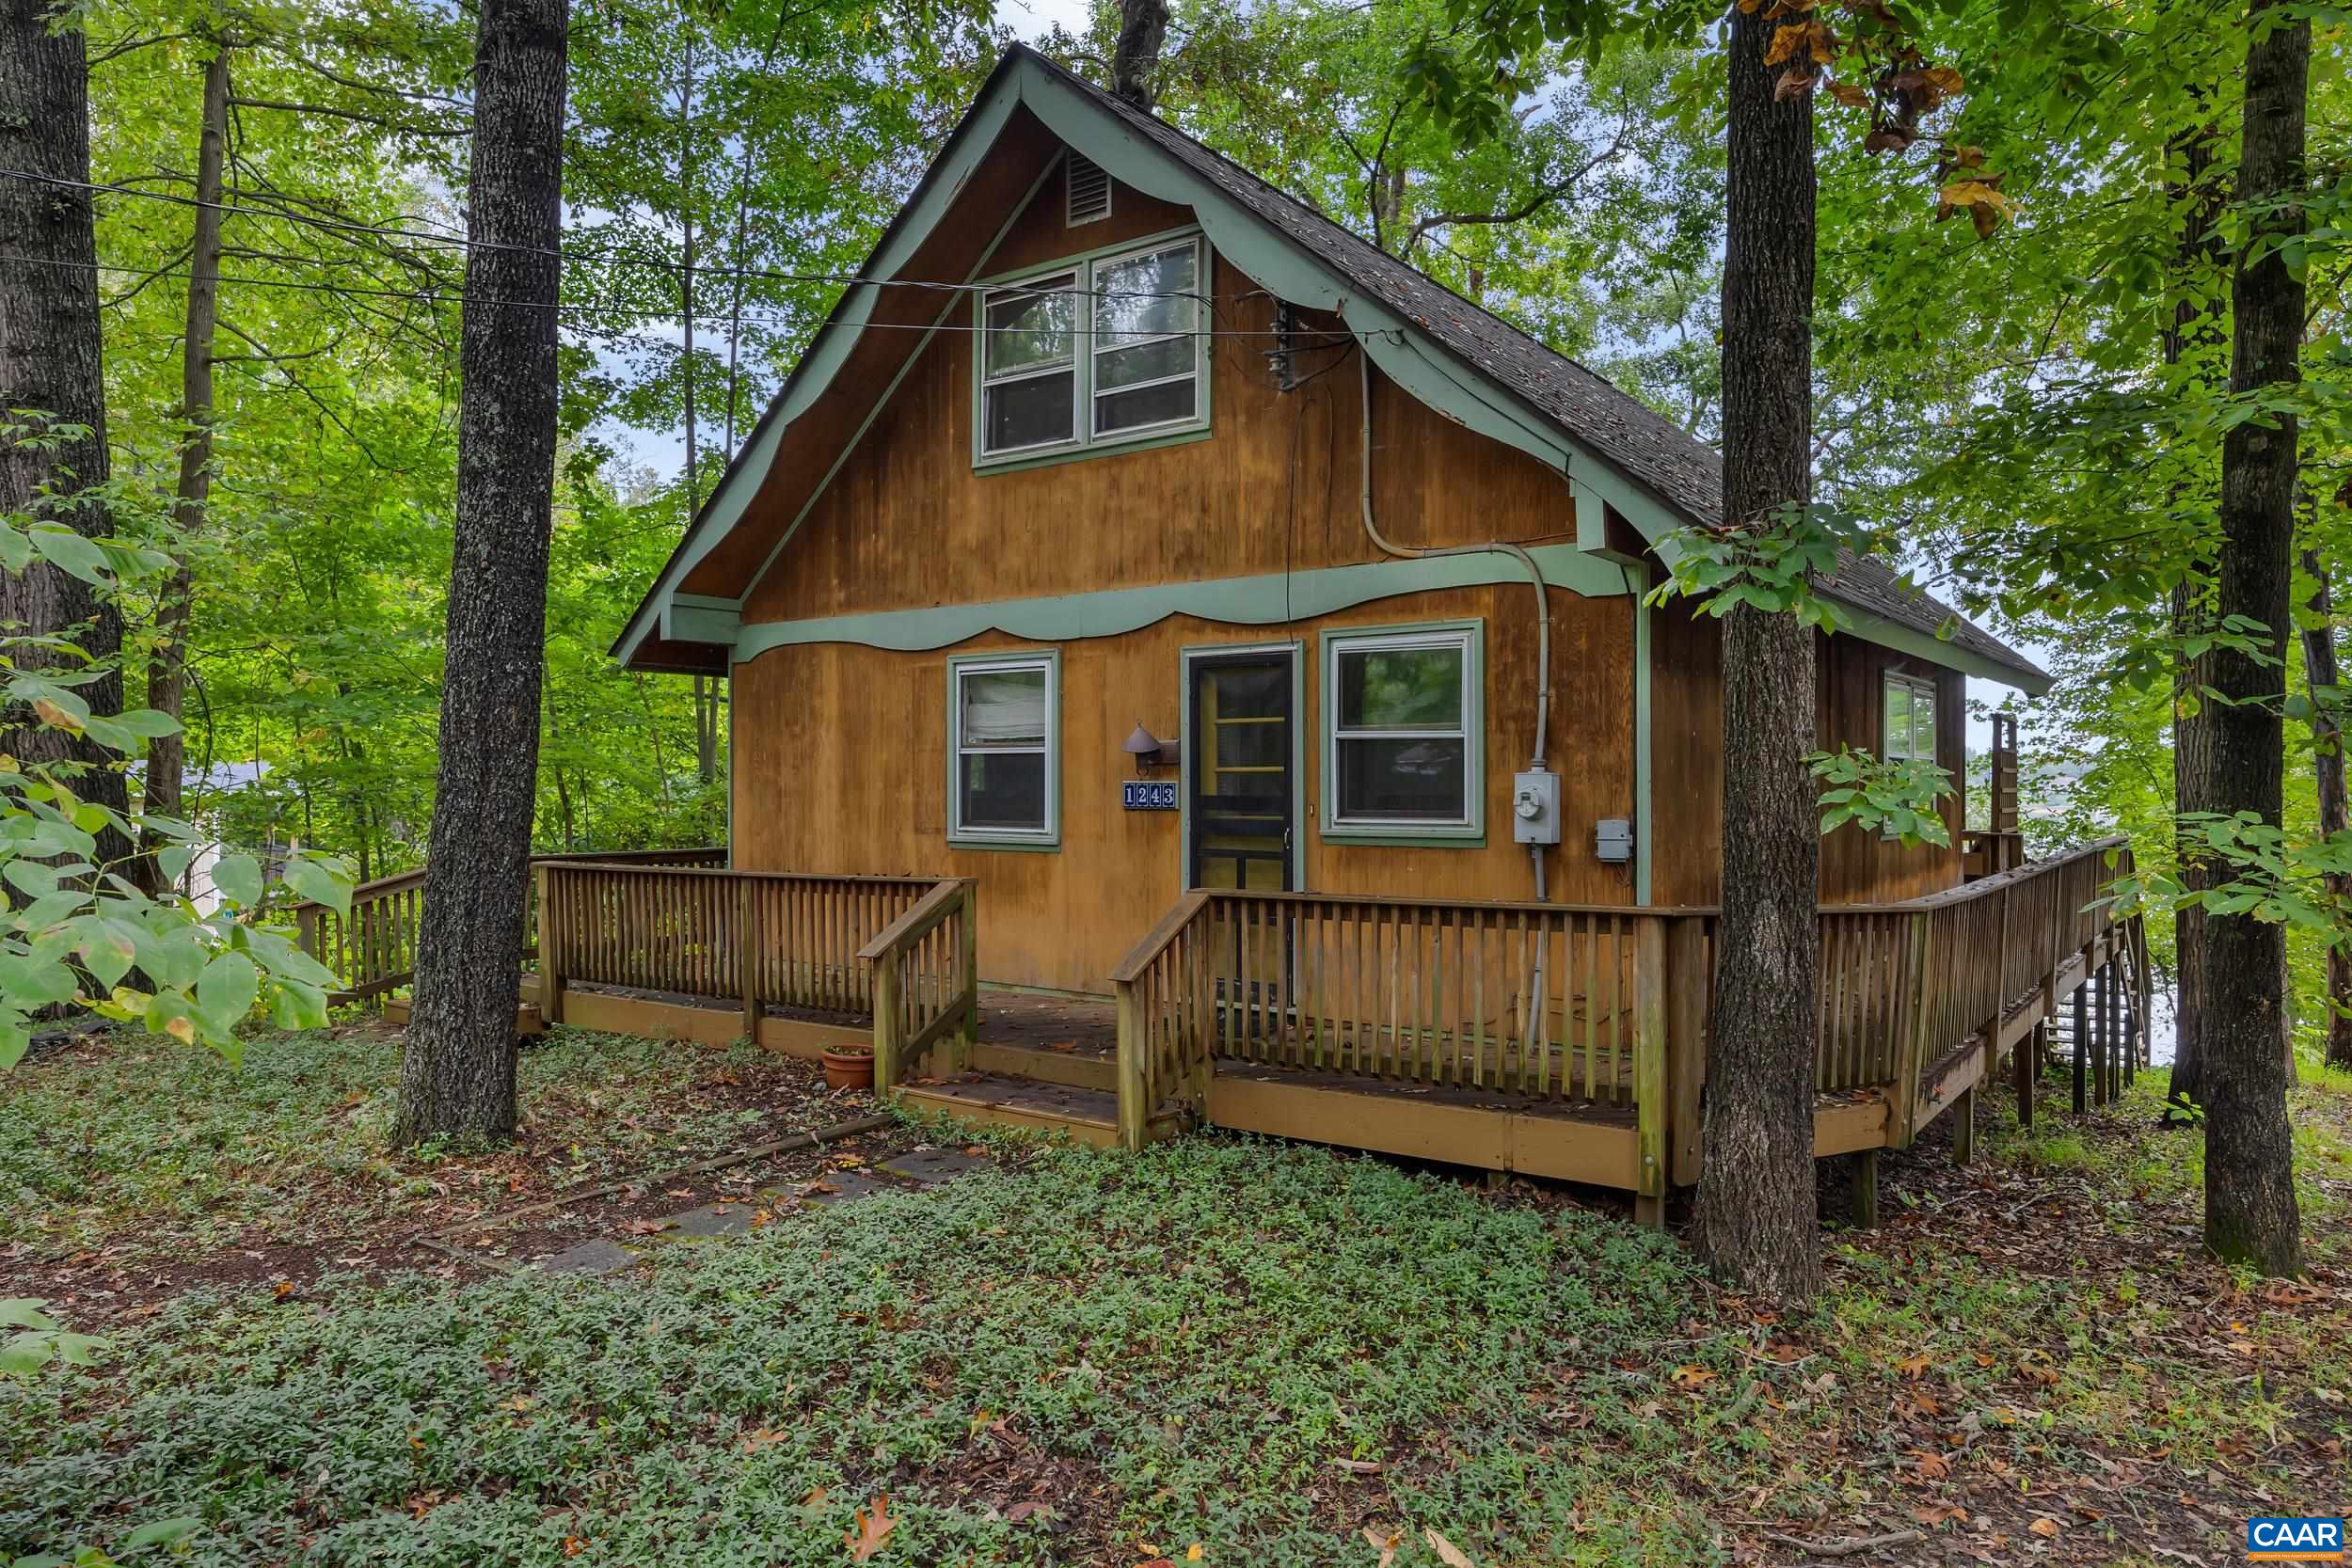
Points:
[(1637, 588), (1466, 836), (1101, 449), (1185, 740), (1085, 443), (906, 368), (1940, 652), (1050, 840), (1273, 599), (940, 187)]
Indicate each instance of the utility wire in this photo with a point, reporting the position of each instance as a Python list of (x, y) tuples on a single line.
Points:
[(458, 296), (413, 236)]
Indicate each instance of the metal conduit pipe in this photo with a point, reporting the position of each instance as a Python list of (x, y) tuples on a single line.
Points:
[(1499, 547)]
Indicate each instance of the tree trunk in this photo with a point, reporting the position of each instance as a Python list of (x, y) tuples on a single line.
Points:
[(1756, 1214), (167, 667), (2251, 1210), (457, 1073), (49, 363), (2319, 666), (2195, 340), (1142, 28)]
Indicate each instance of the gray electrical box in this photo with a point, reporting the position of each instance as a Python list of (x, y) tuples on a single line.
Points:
[(1612, 840), (1535, 807)]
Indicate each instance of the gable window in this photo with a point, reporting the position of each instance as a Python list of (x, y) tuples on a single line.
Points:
[(1909, 720), (1104, 350), (1403, 735), (1003, 746)]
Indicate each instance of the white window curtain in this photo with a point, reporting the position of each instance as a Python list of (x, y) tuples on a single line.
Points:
[(1004, 707)]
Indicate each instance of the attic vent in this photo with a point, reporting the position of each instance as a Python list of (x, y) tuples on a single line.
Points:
[(1089, 190)]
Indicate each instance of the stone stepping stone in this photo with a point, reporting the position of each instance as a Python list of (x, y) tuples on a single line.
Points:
[(843, 1185), (711, 1219), (588, 1258), (927, 1167)]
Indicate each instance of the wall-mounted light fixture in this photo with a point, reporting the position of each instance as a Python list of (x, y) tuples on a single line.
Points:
[(1150, 750)]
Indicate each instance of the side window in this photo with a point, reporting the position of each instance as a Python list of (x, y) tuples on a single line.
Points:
[(1907, 731), (1028, 369), (1003, 749), (1401, 713)]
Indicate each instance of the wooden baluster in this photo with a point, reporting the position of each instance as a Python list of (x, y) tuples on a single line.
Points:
[(1649, 1066)]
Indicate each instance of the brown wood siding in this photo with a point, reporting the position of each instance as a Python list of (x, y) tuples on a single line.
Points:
[(908, 522), (1687, 775), (841, 765)]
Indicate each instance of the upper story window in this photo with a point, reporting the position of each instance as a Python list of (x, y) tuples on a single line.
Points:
[(1909, 708), (1103, 350)]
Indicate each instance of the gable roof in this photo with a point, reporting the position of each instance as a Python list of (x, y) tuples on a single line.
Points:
[(1614, 450)]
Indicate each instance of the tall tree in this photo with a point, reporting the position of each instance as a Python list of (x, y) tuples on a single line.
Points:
[(2326, 693), (167, 668), (1142, 28), (50, 365), (2250, 1213), (457, 1073), (1757, 1216)]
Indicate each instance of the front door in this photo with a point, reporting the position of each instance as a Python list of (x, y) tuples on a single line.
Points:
[(1238, 782)]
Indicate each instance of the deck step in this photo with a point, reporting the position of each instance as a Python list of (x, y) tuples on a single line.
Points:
[(1079, 1067), (1085, 1115)]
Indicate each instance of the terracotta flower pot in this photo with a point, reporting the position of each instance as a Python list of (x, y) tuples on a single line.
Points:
[(849, 1069)]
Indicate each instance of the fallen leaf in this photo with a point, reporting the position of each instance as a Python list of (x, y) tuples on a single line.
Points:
[(872, 1531), (2047, 1528), (649, 1228), (1383, 1542), (1936, 1514), (1192, 1553), (1448, 1552), (815, 1498), (1692, 1377), (1361, 1466), (761, 1438)]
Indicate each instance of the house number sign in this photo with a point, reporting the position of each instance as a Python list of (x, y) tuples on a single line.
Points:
[(1147, 795)]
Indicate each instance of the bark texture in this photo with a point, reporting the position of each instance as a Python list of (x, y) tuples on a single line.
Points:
[(457, 1074), (168, 667), (1757, 1212), (49, 363), (2251, 1210), (1142, 28), (2319, 668), (2193, 346)]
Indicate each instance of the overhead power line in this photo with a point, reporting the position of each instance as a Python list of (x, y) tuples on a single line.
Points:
[(659, 264)]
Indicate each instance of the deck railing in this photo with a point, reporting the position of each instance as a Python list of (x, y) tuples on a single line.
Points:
[(757, 937), (372, 949), (925, 983), (1601, 1008)]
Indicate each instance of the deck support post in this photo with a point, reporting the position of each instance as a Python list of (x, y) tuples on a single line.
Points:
[(1132, 1111), (1650, 1108), (1964, 1124), (2102, 1034), (1864, 1208), (967, 1036), (2028, 1069), (551, 954), (1686, 1046), (747, 957), (888, 1022), (2082, 1030)]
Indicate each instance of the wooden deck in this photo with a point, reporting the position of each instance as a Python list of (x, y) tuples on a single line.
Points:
[(1564, 1042)]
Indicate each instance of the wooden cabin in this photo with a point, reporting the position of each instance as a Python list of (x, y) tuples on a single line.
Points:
[(1144, 588)]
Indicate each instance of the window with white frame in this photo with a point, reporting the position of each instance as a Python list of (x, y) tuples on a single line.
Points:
[(1107, 348), (1004, 740), (1909, 721), (1402, 721)]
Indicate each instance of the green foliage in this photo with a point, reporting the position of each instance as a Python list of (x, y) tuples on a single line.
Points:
[(77, 925), (2258, 870), (1897, 800), (1770, 564)]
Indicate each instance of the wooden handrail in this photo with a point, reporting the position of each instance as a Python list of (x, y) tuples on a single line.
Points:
[(1140, 958), (400, 879), (929, 910), (869, 878)]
